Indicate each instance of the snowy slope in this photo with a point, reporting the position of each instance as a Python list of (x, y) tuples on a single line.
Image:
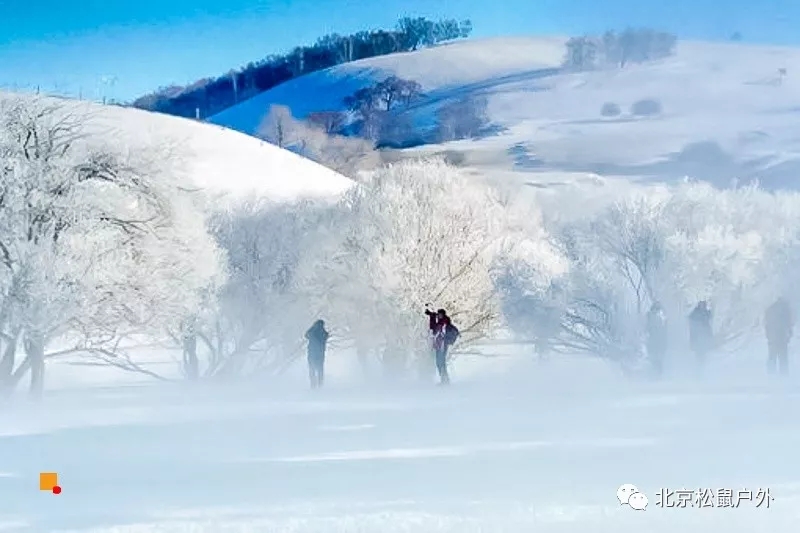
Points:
[(725, 113), (452, 67), (219, 160)]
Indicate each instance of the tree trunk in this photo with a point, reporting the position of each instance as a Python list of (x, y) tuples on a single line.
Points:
[(191, 365), (393, 360), (9, 357), (363, 353), (34, 346), (9, 353)]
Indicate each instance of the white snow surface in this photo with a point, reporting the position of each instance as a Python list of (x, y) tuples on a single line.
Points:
[(222, 162), (727, 116), (538, 447)]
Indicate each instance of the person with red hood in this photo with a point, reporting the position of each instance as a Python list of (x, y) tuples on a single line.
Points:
[(443, 335)]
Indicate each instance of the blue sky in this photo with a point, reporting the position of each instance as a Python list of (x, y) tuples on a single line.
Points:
[(69, 46)]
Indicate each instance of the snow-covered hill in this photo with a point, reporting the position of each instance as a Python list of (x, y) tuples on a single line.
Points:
[(728, 111), (219, 160), (449, 68)]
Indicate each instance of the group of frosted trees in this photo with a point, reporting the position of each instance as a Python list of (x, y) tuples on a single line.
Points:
[(736, 249), (104, 250)]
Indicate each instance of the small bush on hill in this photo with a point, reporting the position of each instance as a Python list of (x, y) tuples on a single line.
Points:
[(610, 109)]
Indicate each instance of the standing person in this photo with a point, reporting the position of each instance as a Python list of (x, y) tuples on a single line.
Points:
[(778, 326), (701, 337), (443, 334), (317, 338), (656, 338)]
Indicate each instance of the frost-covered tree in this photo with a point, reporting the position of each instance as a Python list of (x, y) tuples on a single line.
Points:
[(737, 251), (261, 313), (616, 260), (278, 127), (416, 232), (677, 245), (346, 155), (530, 283), (95, 245)]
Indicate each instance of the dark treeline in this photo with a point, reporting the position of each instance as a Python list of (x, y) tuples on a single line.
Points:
[(209, 96)]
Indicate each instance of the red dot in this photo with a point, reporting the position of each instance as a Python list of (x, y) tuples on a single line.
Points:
[(56, 490)]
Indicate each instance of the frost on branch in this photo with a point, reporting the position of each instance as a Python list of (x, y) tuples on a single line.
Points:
[(260, 315), (677, 245), (736, 249), (529, 276), (414, 233), (346, 155), (93, 250)]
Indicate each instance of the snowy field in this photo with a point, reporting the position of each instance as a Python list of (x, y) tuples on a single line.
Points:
[(727, 114), (544, 450)]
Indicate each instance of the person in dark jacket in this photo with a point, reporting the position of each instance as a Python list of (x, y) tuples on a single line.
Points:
[(439, 323), (778, 327), (656, 338), (317, 338), (701, 337)]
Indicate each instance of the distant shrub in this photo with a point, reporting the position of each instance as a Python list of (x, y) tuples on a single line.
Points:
[(646, 108), (610, 109)]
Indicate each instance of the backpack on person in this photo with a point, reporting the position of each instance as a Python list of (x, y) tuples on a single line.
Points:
[(451, 333)]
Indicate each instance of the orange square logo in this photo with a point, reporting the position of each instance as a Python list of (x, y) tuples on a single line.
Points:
[(48, 480)]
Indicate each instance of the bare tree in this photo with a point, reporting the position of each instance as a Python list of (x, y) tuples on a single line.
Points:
[(377, 106), (582, 53), (331, 122), (278, 126), (394, 91)]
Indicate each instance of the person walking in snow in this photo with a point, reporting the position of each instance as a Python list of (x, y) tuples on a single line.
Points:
[(317, 338), (701, 338), (778, 327), (656, 338), (443, 335)]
